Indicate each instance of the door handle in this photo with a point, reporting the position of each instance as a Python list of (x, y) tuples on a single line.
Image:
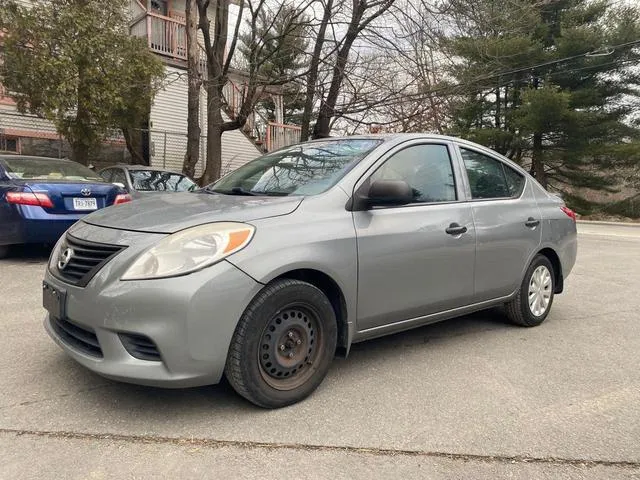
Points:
[(532, 222), (456, 229)]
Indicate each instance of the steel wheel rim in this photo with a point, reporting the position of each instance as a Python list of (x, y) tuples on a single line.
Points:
[(290, 347), (540, 291)]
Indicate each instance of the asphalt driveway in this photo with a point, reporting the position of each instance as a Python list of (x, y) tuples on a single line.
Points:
[(468, 398)]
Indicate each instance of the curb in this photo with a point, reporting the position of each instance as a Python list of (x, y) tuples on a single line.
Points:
[(602, 222)]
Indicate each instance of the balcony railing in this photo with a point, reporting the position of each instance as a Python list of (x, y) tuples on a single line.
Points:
[(165, 35), (281, 135), (269, 135)]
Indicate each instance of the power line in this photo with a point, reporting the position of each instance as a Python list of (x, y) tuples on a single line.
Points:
[(560, 60)]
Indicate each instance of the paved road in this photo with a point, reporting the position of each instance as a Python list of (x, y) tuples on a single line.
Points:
[(469, 398)]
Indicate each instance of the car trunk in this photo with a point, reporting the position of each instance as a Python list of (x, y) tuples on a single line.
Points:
[(75, 197)]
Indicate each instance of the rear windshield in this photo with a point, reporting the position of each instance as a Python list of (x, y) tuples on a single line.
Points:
[(49, 169), (158, 181)]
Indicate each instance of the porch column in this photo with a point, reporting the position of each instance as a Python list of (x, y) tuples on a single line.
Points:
[(279, 108)]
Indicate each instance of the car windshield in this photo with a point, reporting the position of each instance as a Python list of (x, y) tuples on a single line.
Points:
[(305, 169), (49, 169), (159, 181)]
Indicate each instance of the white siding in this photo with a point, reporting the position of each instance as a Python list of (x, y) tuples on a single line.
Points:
[(169, 121), (14, 123)]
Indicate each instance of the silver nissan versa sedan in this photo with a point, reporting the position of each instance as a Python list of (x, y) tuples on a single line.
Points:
[(264, 275)]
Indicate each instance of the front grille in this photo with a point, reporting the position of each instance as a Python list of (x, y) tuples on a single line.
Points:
[(140, 347), (85, 261), (78, 337)]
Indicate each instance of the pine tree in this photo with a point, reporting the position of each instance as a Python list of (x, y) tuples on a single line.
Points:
[(285, 38), (551, 84)]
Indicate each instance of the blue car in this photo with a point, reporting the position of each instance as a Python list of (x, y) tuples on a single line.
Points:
[(40, 198)]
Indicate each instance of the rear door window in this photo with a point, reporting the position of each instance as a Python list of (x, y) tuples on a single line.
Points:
[(515, 181), (487, 177)]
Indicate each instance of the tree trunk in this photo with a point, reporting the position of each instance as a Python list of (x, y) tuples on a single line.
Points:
[(322, 127), (80, 152), (80, 134), (133, 139), (192, 154), (498, 105), (215, 81), (436, 114), (214, 135), (537, 160), (357, 23), (312, 75)]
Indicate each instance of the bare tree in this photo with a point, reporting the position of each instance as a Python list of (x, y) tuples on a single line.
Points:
[(395, 79), (314, 65), (194, 83), (363, 12), (420, 66), (219, 59)]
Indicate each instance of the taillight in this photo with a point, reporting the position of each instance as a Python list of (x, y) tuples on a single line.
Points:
[(122, 198), (28, 198), (570, 213)]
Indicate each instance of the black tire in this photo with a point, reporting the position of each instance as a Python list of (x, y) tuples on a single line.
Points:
[(4, 251), (518, 310), (283, 344)]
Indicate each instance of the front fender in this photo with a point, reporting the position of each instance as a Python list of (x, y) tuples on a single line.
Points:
[(326, 243)]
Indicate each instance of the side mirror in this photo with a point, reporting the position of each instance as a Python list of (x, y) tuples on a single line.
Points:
[(121, 185), (386, 193)]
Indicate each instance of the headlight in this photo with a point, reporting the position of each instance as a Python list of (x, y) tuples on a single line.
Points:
[(190, 250)]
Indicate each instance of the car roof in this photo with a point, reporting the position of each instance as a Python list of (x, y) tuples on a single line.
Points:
[(396, 138), (388, 136), (393, 139), (142, 167)]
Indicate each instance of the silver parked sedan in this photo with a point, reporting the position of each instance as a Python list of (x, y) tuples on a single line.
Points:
[(266, 274)]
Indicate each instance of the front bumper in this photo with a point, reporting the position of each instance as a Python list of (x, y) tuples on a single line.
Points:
[(191, 319)]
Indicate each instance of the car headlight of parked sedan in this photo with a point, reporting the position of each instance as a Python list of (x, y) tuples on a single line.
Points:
[(191, 249)]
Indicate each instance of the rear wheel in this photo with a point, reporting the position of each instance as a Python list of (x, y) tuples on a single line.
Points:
[(4, 251), (533, 301), (283, 345)]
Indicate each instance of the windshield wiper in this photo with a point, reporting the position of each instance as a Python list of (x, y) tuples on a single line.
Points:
[(235, 191), (248, 193)]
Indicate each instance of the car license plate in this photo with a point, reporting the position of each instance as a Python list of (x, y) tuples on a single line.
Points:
[(85, 204), (53, 300)]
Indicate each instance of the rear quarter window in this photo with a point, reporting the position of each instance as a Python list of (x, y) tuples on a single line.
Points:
[(515, 181)]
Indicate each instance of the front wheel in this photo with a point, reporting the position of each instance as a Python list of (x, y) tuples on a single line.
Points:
[(4, 251), (532, 303), (283, 345)]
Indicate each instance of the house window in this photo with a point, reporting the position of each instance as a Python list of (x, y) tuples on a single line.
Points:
[(9, 144), (160, 6)]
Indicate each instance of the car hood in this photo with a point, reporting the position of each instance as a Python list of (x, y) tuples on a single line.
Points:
[(170, 213)]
